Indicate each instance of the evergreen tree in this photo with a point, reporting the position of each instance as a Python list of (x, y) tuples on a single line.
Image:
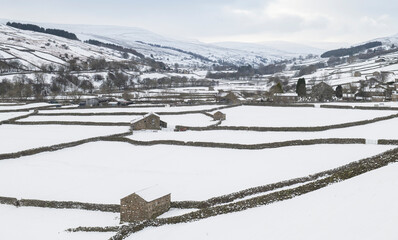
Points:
[(339, 91), (301, 89)]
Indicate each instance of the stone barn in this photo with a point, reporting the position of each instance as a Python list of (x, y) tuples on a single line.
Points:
[(219, 116), (145, 204), (228, 98), (149, 121)]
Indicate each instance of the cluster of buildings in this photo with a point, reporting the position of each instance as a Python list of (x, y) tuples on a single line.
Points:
[(379, 87)]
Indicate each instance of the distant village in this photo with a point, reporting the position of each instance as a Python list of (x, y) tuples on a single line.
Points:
[(379, 87)]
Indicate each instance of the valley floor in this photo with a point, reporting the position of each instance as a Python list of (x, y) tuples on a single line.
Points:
[(224, 173)]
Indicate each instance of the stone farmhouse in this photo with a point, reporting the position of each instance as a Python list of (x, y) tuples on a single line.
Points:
[(149, 121), (145, 204)]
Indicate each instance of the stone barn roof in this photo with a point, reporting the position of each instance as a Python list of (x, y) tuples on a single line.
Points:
[(143, 117)]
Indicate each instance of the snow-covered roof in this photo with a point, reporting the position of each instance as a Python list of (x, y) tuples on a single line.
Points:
[(151, 193), (286, 94), (143, 117)]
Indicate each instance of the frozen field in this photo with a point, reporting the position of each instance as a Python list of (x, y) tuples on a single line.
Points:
[(360, 208), (295, 117), (50, 224), (16, 138), (197, 119), (134, 109), (105, 172), (379, 130)]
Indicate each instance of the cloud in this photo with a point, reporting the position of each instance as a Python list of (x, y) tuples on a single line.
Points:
[(249, 20)]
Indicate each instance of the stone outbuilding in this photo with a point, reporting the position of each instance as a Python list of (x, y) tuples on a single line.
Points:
[(357, 74), (145, 204), (149, 121), (228, 98), (218, 116)]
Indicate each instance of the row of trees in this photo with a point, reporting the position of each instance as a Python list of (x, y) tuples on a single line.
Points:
[(35, 28), (247, 71), (64, 83), (175, 81), (23, 87), (350, 51), (7, 66), (306, 70), (116, 47)]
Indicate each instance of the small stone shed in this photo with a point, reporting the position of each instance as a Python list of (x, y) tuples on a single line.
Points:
[(149, 121), (219, 116), (145, 204)]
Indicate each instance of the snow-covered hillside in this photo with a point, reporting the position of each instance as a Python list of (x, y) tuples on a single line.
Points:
[(274, 49), (172, 51), (389, 40), (185, 52), (33, 49)]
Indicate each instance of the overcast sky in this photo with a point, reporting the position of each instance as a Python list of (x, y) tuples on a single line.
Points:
[(350, 21)]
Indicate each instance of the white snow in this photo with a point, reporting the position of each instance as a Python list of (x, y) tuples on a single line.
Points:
[(198, 120), (16, 138), (191, 120), (105, 172), (49, 57), (102, 119), (364, 104), (10, 115), (295, 117), (50, 224), (363, 208), (152, 192), (176, 212), (26, 106), (379, 130), (135, 109)]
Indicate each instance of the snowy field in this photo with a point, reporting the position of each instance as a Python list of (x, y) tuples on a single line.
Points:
[(295, 117), (102, 119), (363, 208), (379, 130), (135, 109), (364, 104), (105, 172), (50, 224), (198, 120), (10, 115), (16, 138), (9, 103), (191, 120), (26, 106)]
